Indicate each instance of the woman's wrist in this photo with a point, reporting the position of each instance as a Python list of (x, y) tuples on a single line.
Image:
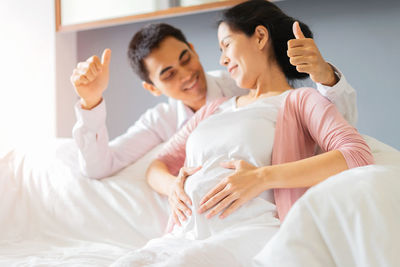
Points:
[(267, 177), (170, 185)]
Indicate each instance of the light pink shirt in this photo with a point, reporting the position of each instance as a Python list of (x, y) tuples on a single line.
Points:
[(305, 120)]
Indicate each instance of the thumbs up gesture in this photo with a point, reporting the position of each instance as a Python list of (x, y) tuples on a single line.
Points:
[(305, 56), (90, 79)]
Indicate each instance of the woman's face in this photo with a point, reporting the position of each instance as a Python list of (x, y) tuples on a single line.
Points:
[(241, 55)]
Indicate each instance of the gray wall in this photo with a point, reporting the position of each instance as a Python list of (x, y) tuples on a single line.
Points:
[(359, 37)]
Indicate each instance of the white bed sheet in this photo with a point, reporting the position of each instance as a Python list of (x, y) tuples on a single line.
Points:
[(52, 216), (351, 219)]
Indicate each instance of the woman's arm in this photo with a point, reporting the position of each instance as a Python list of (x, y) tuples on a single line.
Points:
[(159, 177), (317, 121), (248, 181), (166, 174), (163, 182), (303, 173)]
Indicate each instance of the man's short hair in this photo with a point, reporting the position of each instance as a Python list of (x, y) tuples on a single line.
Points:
[(147, 39)]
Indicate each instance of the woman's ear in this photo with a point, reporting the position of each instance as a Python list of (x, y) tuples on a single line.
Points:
[(151, 88), (262, 35)]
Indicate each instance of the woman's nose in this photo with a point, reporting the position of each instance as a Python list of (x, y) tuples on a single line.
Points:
[(223, 60)]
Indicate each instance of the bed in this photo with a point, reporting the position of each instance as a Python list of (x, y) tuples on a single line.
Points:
[(53, 216), (351, 219)]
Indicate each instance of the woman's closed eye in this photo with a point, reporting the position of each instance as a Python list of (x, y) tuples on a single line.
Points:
[(223, 47)]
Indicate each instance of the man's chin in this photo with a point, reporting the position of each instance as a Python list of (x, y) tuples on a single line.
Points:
[(197, 95), (198, 89)]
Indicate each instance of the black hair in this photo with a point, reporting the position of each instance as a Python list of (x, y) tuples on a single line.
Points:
[(245, 17), (147, 39)]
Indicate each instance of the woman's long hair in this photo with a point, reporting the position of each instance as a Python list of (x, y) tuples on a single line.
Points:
[(246, 16)]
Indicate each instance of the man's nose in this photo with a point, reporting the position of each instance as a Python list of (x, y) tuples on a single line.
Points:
[(186, 74)]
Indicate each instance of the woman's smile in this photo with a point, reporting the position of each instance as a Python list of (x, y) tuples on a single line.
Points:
[(232, 69)]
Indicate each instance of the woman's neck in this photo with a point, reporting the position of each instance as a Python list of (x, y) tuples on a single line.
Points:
[(271, 82)]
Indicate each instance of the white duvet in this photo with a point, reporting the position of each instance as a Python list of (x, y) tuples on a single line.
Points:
[(351, 219), (52, 216)]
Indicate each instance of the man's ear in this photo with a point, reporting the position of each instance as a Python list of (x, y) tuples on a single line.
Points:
[(151, 88), (192, 48)]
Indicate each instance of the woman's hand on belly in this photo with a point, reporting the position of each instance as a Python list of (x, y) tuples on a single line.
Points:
[(178, 199), (233, 191)]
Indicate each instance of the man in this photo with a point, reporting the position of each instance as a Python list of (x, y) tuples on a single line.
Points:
[(169, 65)]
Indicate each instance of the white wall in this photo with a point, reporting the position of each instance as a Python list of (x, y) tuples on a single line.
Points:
[(66, 61), (361, 37), (78, 11), (27, 71)]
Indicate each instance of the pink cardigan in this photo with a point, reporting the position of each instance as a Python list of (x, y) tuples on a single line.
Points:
[(305, 120)]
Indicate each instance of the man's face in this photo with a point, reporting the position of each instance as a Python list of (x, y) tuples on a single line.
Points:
[(175, 70)]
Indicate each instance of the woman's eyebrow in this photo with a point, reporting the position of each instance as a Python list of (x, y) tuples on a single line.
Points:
[(223, 39)]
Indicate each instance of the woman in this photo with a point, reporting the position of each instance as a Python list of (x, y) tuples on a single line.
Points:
[(272, 123)]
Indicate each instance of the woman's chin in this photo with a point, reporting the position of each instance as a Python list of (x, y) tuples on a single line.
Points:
[(238, 81), (242, 84)]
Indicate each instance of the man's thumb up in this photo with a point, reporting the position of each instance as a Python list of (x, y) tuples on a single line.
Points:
[(297, 31), (106, 58)]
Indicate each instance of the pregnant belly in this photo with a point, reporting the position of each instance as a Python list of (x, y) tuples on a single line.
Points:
[(255, 211), (200, 183)]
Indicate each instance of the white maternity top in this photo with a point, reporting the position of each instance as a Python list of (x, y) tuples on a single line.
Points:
[(232, 133)]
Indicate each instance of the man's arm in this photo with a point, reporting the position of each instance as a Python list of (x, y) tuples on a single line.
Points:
[(100, 158), (331, 83), (343, 95)]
